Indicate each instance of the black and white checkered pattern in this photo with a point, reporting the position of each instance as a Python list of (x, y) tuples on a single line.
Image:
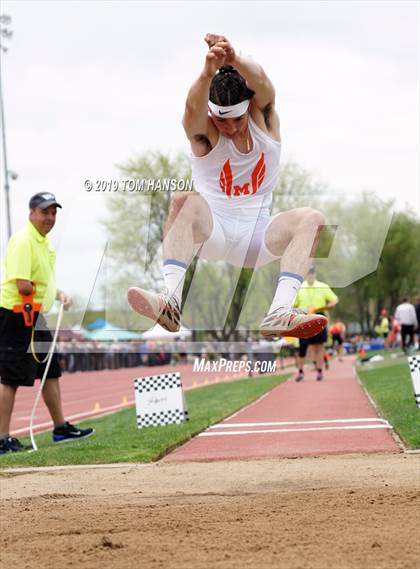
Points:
[(160, 400), (414, 365), (156, 382), (172, 417)]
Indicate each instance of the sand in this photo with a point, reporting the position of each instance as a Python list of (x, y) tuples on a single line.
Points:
[(339, 512)]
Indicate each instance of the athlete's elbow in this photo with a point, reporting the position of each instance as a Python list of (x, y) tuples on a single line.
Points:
[(192, 122)]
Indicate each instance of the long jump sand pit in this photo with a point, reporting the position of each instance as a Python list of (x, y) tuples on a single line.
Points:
[(340, 512)]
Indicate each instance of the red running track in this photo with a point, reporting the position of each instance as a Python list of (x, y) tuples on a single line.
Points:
[(94, 393), (309, 418)]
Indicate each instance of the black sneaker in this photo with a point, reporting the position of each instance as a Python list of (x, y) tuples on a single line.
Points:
[(69, 432), (12, 445)]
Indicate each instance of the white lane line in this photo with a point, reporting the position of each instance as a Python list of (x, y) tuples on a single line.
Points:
[(280, 423), (264, 431), (28, 418), (100, 412)]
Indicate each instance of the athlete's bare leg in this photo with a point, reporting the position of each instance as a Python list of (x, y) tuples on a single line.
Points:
[(315, 353), (319, 352), (7, 401), (294, 235), (51, 394), (189, 223)]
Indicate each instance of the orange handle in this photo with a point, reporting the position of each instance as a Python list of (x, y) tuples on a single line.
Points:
[(28, 307)]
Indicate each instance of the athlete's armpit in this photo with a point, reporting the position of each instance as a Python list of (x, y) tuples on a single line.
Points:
[(267, 119), (267, 112), (200, 145), (202, 139)]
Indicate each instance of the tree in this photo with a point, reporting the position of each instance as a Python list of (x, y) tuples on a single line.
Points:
[(399, 267), (397, 271)]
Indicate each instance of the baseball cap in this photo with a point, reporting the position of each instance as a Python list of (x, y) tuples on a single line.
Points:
[(43, 200)]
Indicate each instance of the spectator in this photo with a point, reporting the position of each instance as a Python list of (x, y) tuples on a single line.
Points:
[(383, 326), (405, 313), (338, 331), (417, 307), (316, 297)]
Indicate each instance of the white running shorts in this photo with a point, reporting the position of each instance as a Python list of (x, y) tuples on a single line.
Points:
[(238, 239)]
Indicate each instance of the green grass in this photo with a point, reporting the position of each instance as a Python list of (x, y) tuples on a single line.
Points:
[(389, 384), (117, 438), (385, 353)]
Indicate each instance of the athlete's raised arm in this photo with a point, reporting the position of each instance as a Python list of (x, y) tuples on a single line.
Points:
[(196, 116), (263, 102)]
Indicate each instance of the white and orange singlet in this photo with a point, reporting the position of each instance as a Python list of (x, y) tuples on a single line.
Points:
[(228, 179), (238, 188)]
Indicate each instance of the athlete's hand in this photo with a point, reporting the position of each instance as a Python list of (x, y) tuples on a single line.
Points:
[(215, 58), (220, 41), (65, 300)]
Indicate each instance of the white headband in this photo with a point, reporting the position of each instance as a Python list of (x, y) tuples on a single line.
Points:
[(230, 112)]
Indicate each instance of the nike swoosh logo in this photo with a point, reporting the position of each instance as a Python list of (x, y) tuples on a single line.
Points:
[(223, 113)]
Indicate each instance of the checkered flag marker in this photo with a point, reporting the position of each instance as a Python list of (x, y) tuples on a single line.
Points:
[(414, 364), (160, 400)]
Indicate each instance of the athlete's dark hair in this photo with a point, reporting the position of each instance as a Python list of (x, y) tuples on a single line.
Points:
[(228, 87)]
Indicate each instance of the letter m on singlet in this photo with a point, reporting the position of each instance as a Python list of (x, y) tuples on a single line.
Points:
[(238, 190)]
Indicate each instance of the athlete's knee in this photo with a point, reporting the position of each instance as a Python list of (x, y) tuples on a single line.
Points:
[(182, 205), (312, 216), (178, 201), (191, 208)]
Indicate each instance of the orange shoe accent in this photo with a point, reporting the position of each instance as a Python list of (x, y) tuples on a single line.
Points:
[(307, 330)]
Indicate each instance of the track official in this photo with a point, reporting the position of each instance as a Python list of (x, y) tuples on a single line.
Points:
[(28, 289), (316, 297)]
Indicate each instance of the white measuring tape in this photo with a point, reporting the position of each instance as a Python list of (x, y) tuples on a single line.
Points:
[(44, 377)]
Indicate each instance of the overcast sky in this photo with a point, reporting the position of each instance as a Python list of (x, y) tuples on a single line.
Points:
[(88, 85)]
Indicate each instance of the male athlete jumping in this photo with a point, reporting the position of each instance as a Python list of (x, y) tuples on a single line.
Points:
[(234, 132)]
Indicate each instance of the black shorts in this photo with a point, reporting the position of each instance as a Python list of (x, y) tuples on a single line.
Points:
[(336, 338), (320, 338), (17, 364)]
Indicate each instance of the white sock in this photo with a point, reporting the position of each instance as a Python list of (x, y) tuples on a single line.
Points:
[(174, 276), (287, 288)]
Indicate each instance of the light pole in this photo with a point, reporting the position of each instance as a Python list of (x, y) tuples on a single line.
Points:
[(5, 33)]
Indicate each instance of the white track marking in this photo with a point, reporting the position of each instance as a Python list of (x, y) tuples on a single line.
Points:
[(280, 423), (265, 431), (93, 414)]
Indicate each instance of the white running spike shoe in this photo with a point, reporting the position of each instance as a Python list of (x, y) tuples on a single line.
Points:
[(160, 308), (286, 321)]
